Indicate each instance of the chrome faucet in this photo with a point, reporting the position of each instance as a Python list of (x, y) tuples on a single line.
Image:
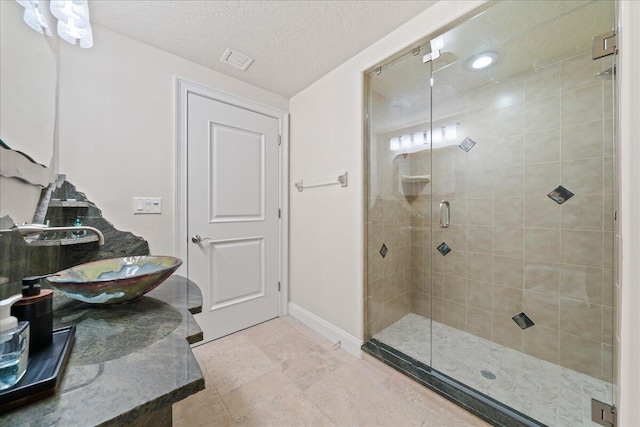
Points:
[(25, 229)]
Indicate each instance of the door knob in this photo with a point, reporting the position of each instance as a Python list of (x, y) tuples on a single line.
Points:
[(197, 239)]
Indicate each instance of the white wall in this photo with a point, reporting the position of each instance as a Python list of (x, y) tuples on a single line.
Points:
[(18, 199), (326, 225), (629, 237), (117, 127), (28, 79)]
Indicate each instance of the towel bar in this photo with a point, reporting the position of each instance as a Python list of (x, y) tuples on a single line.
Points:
[(342, 180)]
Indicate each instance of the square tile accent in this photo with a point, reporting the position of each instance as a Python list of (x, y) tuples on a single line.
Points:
[(560, 195), (467, 144), (523, 321), (384, 250), (444, 249)]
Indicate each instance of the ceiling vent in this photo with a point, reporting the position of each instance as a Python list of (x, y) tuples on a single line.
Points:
[(236, 59)]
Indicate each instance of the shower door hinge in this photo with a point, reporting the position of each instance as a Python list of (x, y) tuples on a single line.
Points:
[(604, 45), (603, 414), (436, 44)]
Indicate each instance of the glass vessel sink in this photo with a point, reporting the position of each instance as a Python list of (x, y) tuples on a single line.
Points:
[(116, 280)]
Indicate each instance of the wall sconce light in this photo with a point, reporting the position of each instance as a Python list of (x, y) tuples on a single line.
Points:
[(73, 21), (72, 16), (412, 142), (33, 16)]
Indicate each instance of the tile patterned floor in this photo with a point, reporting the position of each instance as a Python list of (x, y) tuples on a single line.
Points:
[(546, 392), (281, 373)]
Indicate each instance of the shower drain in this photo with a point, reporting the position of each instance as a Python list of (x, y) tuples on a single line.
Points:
[(488, 375)]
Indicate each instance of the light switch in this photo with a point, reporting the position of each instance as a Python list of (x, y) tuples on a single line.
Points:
[(147, 205)]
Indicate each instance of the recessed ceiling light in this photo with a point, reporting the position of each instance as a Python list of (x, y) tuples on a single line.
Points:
[(482, 60)]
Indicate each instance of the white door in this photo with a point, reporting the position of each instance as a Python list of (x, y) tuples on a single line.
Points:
[(233, 203)]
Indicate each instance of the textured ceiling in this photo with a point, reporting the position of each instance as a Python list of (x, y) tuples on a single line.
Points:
[(294, 43)]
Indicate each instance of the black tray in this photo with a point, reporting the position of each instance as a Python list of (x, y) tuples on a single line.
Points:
[(44, 372)]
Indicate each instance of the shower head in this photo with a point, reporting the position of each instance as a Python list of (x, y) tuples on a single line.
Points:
[(607, 74)]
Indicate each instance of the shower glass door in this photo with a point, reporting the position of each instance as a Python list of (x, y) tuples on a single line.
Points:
[(490, 203), (399, 206), (522, 161)]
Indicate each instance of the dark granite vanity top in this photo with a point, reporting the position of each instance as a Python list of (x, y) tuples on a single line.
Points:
[(128, 360)]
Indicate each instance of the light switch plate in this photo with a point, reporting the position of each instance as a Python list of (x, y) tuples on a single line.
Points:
[(147, 205)]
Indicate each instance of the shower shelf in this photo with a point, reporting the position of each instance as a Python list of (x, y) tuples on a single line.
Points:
[(412, 179), (413, 185)]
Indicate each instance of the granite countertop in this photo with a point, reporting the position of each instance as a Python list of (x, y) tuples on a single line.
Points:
[(128, 360)]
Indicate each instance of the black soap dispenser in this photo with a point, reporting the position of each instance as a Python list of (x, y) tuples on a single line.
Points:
[(36, 306)]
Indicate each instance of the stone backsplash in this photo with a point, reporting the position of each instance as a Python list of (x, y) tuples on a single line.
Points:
[(56, 251)]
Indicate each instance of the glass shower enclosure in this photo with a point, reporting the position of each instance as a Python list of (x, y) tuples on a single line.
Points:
[(490, 208)]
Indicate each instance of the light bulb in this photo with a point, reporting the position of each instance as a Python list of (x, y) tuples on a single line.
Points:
[(482, 60), (73, 21), (451, 132), (419, 139), (405, 141), (33, 17), (437, 135)]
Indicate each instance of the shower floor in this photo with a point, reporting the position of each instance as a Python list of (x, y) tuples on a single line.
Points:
[(548, 393)]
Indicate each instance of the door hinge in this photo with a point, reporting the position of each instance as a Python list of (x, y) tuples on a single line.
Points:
[(279, 213), (279, 139), (604, 45), (603, 414), (278, 286)]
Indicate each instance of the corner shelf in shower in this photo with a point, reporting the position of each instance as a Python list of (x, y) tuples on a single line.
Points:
[(415, 179), (413, 185)]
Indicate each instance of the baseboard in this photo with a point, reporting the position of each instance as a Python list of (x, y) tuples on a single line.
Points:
[(347, 341)]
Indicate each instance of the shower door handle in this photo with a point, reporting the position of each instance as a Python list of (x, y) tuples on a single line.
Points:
[(444, 214)]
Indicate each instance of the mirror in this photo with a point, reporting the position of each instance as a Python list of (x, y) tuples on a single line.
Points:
[(28, 98)]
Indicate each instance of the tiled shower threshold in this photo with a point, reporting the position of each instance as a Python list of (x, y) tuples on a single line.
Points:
[(525, 390)]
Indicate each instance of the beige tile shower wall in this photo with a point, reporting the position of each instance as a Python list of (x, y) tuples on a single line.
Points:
[(514, 249), (388, 223)]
